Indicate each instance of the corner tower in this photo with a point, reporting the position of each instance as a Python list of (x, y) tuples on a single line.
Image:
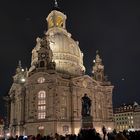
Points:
[(98, 68), (66, 52)]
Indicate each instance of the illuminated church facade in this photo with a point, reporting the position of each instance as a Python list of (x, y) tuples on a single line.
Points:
[(47, 98)]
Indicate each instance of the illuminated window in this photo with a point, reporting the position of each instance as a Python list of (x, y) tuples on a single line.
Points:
[(50, 23), (41, 104), (41, 115), (41, 94), (59, 21), (42, 108)]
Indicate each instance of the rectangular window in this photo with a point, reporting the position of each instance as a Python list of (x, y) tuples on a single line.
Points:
[(42, 108), (41, 102), (41, 115)]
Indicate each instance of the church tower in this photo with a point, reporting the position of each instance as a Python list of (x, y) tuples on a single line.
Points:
[(17, 100), (46, 99), (98, 68)]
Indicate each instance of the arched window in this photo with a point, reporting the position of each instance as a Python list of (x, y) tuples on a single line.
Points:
[(50, 22), (41, 104), (41, 94), (59, 21)]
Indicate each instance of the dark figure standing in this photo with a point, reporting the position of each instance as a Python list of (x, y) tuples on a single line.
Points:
[(104, 132), (86, 105)]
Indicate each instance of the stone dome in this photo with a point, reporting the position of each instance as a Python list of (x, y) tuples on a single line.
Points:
[(66, 52)]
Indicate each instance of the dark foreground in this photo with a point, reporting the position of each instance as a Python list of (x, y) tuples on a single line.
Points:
[(89, 134)]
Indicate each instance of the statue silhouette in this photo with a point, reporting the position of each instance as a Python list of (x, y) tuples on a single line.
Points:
[(86, 106)]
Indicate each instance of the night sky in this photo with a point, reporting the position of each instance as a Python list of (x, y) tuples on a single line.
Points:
[(112, 27)]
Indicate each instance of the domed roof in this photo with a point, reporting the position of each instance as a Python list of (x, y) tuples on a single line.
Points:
[(66, 52)]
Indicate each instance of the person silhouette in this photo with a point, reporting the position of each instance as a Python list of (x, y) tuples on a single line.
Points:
[(104, 132)]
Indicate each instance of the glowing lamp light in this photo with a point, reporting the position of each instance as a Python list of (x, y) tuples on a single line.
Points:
[(23, 80), (94, 61), (22, 69), (77, 130), (8, 134), (109, 128)]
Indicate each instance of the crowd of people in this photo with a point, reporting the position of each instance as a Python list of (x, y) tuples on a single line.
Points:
[(85, 134)]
